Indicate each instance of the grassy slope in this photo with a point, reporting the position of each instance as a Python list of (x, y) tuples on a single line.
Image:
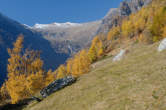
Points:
[(138, 82)]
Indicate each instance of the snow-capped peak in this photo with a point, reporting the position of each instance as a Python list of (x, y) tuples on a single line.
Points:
[(27, 26), (40, 25), (62, 25)]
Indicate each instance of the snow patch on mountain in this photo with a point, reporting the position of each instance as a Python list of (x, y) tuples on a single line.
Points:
[(62, 25), (27, 26)]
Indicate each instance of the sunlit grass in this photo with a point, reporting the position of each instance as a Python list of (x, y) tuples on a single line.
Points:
[(138, 82)]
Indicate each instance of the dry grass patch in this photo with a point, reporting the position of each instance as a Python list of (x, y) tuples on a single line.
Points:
[(138, 82)]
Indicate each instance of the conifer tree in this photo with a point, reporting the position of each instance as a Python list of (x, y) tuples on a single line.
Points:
[(127, 28), (3, 92), (92, 53), (16, 88), (75, 66), (113, 33), (158, 24), (50, 77), (99, 47), (81, 63), (96, 50), (69, 66), (14, 65), (84, 62), (35, 82), (25, 73), (61, 71)]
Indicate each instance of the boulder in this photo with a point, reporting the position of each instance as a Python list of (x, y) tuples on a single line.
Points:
[(57, 85), (162, 45), (119, 56)]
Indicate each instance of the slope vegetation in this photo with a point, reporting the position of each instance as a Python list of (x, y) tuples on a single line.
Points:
[(137, 82)]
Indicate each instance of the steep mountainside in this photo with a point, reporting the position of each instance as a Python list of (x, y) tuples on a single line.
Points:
[(10, 29), (115, 15), (137, 82)]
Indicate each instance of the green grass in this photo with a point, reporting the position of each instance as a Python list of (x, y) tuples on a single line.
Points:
[(138, 82)]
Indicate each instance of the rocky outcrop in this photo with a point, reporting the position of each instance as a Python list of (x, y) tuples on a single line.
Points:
[(162, 45), (115, 16), (57, 85), (119, 56)]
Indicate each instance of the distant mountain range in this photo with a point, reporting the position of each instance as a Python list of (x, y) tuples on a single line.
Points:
[(58, 41), (68, 37)]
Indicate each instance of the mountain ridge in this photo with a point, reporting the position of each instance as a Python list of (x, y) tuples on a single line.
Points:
[(115, 16)]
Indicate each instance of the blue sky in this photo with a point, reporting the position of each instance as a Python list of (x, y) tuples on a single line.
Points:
[(48, 11)]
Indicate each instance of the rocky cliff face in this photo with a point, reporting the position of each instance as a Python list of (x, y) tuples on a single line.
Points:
[(115, 16)]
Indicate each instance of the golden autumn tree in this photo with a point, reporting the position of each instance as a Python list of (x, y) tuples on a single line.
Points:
[(81, 63), (164, 32), (23, 67), (92, 53), (75, 66), (50, 77), (3, 92), (100, 49), (31, 62), (69, 66), (33, 69), (61, 71), (14, 66), (17, 88), (127, 28), (84, 63), (96, 49), (35, 82), (142, 18), (159, 23), (113, 33)]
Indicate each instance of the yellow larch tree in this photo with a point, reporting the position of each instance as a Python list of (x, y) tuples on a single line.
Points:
[(3, 92), (96, 49), (127, 28), (92, 53), (75, 66), (16, 88), (50, 77), (84, 62), (81, 63), (25, 73), (61, 72), (69, 66), (14, 66), (113, 33), (35, 82)]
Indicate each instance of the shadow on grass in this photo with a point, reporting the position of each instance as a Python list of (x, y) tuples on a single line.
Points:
[(19, 106)]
